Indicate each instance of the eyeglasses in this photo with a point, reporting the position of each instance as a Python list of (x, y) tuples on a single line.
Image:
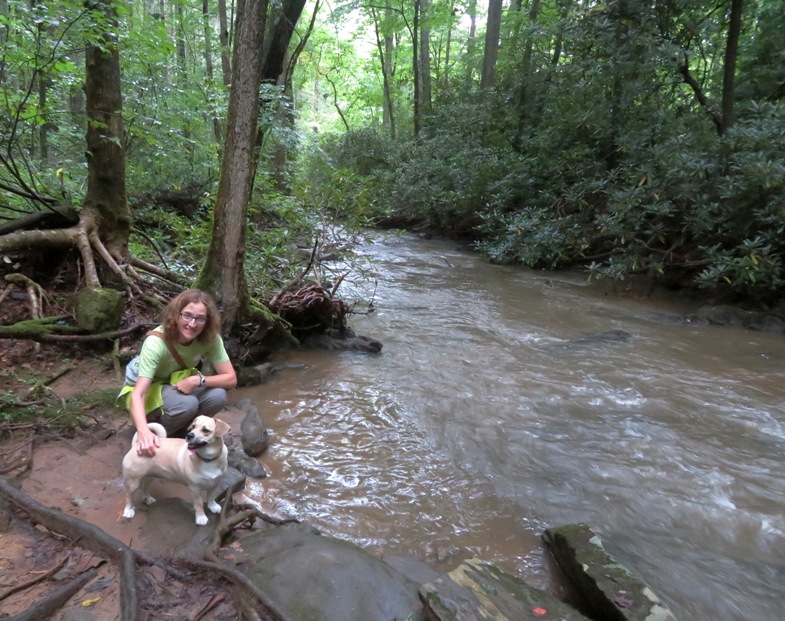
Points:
[(199, 319)]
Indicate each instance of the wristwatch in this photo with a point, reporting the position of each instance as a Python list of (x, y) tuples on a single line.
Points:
[(202, 380)]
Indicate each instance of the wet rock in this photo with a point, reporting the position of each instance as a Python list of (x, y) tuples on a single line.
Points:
[(476, 591), (233, 477), (348, 343), (321, 578), (739, 318), (249, 466), (608, 589), (253, 376), (255, 438), (609, 337)]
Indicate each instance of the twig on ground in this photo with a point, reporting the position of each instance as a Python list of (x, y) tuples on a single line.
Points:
[(46, 381), (45, 608), (33, 581)]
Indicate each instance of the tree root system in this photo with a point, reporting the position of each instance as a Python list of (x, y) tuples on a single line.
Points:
[(132, 566)]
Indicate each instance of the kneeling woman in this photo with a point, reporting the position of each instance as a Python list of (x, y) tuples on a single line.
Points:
[(163, 381)]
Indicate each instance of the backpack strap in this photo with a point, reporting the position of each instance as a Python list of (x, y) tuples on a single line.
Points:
[(172, 350)]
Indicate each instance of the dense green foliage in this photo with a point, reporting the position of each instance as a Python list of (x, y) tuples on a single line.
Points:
[(605, 142), (598, 153)]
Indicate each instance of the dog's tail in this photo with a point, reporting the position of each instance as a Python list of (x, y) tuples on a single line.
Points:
[(156, 428)]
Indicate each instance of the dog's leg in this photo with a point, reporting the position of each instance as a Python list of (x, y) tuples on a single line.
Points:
[(145, 487), (211, 503), (196, 492), (131, 486)]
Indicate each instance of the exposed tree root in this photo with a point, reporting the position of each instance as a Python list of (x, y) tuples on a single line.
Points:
[(45, 608), (125, 559), (90, 537), (46, 330), (26, 585)]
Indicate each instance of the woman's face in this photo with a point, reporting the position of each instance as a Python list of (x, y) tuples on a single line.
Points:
[(191, 322)]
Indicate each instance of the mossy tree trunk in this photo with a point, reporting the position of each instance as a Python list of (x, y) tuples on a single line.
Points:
[(106, 212), (224, 271)]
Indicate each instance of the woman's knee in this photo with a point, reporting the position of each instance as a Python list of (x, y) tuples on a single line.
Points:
[(177, 404), (212, 401)]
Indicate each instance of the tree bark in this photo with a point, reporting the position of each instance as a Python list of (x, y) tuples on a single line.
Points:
[(208, 66), (388, 114), (106, 191), (526, 69), (224, 271), (425, 57), (277, 42), (492, 31), (729, 69), (223, 39), (471, 43), (416, 66)]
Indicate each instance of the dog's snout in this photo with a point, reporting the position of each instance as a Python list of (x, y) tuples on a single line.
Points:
[(189, 437)]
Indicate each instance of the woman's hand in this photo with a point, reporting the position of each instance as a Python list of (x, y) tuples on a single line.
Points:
[(147, 442), (188, 384)]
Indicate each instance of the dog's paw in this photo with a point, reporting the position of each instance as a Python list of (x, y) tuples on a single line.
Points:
[(214, 507), (201, 520), (148, 500), (129, 512)]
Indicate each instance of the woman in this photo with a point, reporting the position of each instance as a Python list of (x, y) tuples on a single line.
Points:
[(190, 332)]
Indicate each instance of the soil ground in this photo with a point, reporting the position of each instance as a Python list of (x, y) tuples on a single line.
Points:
[(79, 473)]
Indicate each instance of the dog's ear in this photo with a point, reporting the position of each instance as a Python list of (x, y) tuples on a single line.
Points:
[(221, 428)]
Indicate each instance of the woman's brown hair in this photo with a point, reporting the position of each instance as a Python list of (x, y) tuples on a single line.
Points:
[(192, 296)]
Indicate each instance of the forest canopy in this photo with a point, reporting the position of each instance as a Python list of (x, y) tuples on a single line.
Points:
[(616, 136)]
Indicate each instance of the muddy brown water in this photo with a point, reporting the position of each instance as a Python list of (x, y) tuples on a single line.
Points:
[(483, 421)]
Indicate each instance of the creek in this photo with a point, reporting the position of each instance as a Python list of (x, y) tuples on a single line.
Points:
[(489, 416)]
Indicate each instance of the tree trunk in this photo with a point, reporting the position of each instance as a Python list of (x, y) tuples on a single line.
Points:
[(223, 274), (526, 69), (277, 41), (388, 115), (471, 43), (223, 39), (208, 65), (491, 53), (416, 67), (446, 75), (106, 191), (425, 57), (285, 113), (729, 70)]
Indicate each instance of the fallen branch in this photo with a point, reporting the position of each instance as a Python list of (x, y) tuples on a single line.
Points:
[(46, 381), (26, 585), (45, 608), (163, 274), (28, 460)]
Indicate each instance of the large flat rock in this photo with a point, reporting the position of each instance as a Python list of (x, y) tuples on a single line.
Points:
[(477, 591), (314, 577), (608, 589)]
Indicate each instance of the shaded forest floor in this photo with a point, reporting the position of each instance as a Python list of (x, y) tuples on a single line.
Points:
[(78, 471)]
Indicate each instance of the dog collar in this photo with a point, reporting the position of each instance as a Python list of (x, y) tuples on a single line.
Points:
[(204, 459)]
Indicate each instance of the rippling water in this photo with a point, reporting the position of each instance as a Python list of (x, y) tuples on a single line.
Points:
[(485, 419)]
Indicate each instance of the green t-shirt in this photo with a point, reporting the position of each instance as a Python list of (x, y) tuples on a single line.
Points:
[(157, 362)]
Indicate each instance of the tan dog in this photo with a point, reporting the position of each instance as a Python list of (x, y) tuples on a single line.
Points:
[(198, 462)]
